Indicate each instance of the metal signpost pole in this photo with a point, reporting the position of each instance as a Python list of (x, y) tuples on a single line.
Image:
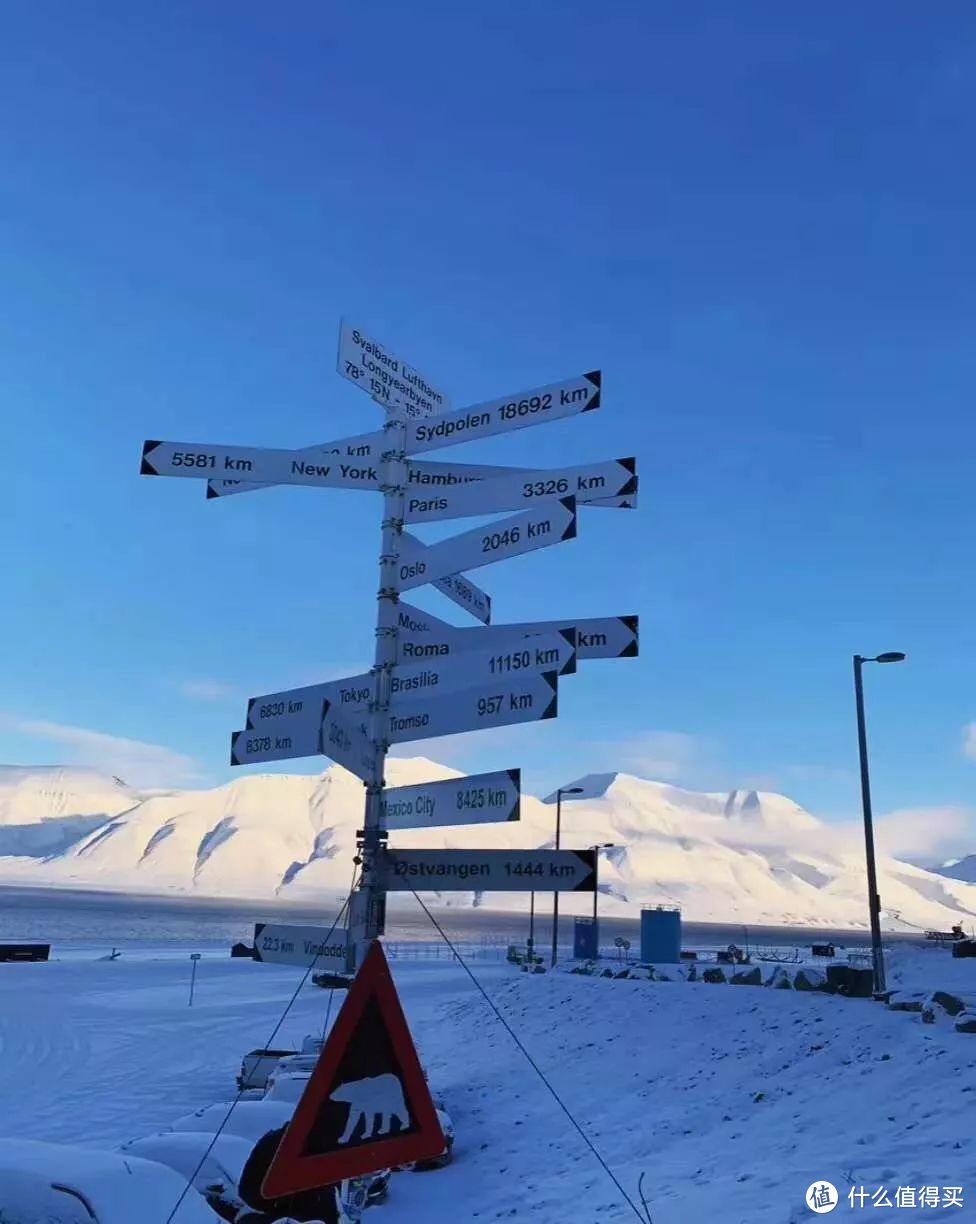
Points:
[(368, 910)]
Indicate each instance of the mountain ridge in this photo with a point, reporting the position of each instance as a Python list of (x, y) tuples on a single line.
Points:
[(745, 856)]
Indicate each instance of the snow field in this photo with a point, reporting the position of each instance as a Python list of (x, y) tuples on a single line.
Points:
[(731, 1099)]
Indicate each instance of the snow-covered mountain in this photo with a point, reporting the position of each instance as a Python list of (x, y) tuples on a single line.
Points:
[(747, 856), (959, 869)]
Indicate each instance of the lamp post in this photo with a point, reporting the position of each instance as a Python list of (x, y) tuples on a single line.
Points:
[(563, 790), (596, 891), (874, 900)]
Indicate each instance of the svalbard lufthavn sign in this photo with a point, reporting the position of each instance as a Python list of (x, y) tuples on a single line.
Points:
[(488, 870), (202, 460), (386, 377), (508, 412), (423, 636), (522, 699), (478, 799), (309, 947), (611, 478), (551, 523)]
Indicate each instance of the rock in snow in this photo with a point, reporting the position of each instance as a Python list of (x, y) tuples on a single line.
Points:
[(749, 857)]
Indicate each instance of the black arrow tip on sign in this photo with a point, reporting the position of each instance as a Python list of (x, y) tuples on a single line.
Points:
[(551, 709), (569, 505), (250, 710), (211, 491), (596, 378), (146, 468), (515, 777), (233, 748)]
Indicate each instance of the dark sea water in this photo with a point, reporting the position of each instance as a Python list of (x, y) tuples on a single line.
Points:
[(79, 920)]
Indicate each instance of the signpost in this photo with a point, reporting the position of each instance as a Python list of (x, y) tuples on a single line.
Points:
[(488, 870), (510, 537), (423, 636), (428, 678), (518, 411), (301, 945), (291, 711), (498, 704), (466, 595), (479, 799), (615, 478)]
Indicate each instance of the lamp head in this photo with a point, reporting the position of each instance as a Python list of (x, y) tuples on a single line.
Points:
[(890, 656)]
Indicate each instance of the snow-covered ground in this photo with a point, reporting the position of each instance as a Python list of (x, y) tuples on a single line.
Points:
[(745, 857), (731, 1099)]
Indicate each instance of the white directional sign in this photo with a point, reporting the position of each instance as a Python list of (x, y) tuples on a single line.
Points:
[(466, 595), (613, 478), (298, 713), (288, 739), (367, 447), (423, 636), (371, 366), (551, 523), (479, 799), (489, 870), (346, 742), (318, 728), (431, 476), (301, 945), (202, 460), (561, 399), (527, 698)]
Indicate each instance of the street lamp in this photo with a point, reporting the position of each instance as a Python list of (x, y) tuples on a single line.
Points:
[(874, 900), (563, 790)]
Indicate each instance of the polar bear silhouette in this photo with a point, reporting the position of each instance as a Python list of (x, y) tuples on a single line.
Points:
[(376, 1096)]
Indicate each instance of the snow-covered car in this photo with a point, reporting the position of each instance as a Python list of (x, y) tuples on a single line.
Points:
[(248, 1119), (216, 1178), (52, 1183), (287, 1086), (257, 1065)]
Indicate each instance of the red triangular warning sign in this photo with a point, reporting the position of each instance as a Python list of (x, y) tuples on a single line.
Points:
[(367, 1105)]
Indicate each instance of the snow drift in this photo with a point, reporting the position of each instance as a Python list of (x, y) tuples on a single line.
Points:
[(748, 856)]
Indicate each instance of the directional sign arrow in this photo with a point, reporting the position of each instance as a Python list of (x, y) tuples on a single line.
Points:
[(403, 390), (499, 704), (479, 799), (430, 477), (466, 595), (510, 537), (297, 736), (202, 460), (423, 636), (613, 478), (368, 448), (551, 403), (281, 713), (488, 870), (301, 945)]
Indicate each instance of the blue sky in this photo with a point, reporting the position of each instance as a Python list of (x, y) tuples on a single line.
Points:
[(757, 219)]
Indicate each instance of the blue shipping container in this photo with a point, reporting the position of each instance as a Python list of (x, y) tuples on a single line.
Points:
[(661, 936), (585, 939)]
